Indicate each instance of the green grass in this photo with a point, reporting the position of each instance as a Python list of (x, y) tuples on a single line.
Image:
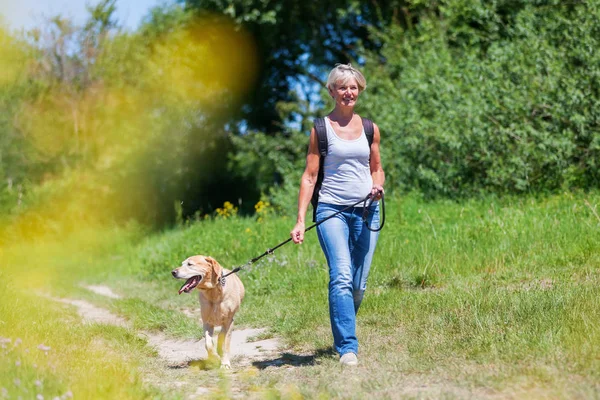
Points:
[(493, 297), (147, 316), (47, 351)]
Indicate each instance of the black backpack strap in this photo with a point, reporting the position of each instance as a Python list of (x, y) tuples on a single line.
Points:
[(369, 129), (321, 131)]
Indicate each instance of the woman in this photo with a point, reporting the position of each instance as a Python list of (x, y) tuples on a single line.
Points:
[(352, 170)]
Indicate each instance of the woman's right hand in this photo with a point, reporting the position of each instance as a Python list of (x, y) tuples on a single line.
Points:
[(297, 233)]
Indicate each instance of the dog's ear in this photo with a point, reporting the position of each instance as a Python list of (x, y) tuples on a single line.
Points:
[(216, 270)]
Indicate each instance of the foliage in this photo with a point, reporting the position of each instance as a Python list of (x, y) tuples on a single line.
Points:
[(195, 107), (14, 149), (496, 96), (298, 40), (475, 97), (273, 164), (104, 124)]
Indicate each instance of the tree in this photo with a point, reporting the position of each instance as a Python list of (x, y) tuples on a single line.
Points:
[(299, 40), (124, 125)]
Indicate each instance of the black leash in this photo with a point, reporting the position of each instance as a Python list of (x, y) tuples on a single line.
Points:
[(367, 202)]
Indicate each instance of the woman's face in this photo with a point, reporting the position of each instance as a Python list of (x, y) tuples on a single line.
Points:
[(345, 93)]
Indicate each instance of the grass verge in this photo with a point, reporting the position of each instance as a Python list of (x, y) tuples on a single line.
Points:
[(492, 297)]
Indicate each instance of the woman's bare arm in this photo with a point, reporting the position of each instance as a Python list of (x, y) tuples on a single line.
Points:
[(307, 186), (375, 163)]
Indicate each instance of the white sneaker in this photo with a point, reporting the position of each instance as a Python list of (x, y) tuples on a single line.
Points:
[(349, 359)]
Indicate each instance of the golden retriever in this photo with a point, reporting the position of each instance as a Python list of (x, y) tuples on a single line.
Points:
[(218, 302)]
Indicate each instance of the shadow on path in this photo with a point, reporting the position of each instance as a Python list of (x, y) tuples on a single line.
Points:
[(295, 360)]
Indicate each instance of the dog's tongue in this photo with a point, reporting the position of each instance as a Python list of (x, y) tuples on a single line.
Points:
[(190, 284)]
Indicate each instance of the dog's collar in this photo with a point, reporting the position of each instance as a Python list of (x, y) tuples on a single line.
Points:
[(223, 275)]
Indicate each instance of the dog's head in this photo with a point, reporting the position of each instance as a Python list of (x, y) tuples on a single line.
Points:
[(199, 271)]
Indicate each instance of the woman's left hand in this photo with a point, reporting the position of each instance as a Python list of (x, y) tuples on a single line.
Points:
[(377, 191)]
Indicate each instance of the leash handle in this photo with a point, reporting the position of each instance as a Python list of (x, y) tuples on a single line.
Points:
[(365, 215)]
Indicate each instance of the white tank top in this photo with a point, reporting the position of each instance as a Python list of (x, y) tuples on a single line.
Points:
[(346, 170)]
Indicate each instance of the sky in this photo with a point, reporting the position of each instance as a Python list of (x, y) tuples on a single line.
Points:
[(27, 14)]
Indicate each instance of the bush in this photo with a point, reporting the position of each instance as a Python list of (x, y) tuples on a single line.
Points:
[(495, 96)]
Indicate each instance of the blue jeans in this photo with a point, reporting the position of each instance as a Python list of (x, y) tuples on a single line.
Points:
[(348, 246)]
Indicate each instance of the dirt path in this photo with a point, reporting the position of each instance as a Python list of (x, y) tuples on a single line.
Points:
[(182, 365), (176, 353), (102, 290)]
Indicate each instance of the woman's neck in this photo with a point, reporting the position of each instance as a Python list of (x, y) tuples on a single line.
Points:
[(342, 116)]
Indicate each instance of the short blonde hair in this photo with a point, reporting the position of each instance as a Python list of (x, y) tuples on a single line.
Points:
[(342, 73)]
